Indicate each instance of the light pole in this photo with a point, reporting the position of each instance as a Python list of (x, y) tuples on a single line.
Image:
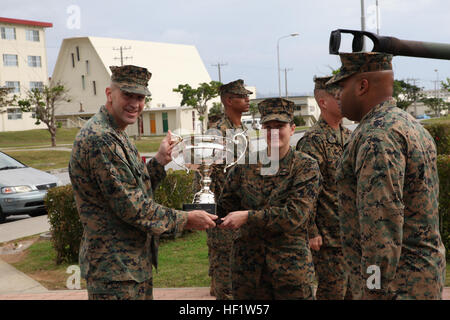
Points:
[(378, 18), (437, 88), (278, 58)]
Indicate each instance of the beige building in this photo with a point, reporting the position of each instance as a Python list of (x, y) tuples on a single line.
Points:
[(83, 67), (23, 67), (305, 106), (419, 109)]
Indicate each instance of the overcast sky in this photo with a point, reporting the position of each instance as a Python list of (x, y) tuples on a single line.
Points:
[(243, 34)]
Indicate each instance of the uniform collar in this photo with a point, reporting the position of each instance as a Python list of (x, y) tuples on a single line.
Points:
[(110, 119), (379, 107), (329, 131), (230, 124)]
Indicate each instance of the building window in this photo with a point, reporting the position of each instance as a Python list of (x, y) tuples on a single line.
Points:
[(15, 85), (34, 61), (14, 113), (78, 53), (33, 113), (32, 35), (10, 60), (95, 87), (83, 83), (73, 60), (36, 85), (87, 67), (8, 33)]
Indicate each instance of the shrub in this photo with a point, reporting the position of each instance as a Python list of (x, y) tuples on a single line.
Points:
[(440, 131), (299, 121), (65, 225), (175, 189), (443, 163)]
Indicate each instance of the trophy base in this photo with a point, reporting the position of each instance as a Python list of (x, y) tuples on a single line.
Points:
[(208, 207)]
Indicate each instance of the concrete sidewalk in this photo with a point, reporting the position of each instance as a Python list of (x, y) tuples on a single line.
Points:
[(158, 294), (12, 281), (23, 228)]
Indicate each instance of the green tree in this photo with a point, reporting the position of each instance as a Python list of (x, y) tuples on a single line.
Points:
[(6, 99), (446, 84), (44, 101), (435, 104), (199, 97), (406, 94), (216, 110), (253, 110)]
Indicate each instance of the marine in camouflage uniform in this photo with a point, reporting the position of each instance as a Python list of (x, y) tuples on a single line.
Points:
[(388, 191), (220, 241), (326, 144), (271, 255), (114, 196)]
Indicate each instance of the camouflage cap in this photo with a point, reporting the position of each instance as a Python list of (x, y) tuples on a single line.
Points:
[(359, 62), (131, 79), (276, 109), (320, 83), (234, 87)]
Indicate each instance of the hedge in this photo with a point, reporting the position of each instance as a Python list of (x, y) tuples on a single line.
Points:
[(65, 225), (443, 163), (440, 131)]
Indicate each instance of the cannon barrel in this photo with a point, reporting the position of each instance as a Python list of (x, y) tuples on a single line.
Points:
[(392, 45)]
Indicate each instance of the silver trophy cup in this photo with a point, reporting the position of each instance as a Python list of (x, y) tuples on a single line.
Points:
[(201, 152)]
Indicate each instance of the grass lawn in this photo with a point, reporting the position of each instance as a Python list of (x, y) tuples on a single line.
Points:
[(42, 160), (183, 262), (148, 144), (37, 137), (45, 160), (436, 120), (301, 128)]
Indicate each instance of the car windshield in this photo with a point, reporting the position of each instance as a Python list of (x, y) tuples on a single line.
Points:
[(6, 162)]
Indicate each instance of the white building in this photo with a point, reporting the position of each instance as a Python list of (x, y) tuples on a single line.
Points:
[(23, 67), (83, 67)]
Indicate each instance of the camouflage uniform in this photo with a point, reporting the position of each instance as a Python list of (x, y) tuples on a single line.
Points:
[(326, 145), (388, 200), (271, 255), (220, 241), (113, 194)]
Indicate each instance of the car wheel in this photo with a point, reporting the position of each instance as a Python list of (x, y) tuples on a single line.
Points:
[(2, 216), (37, 213)]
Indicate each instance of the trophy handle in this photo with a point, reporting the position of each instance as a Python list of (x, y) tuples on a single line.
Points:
[(178, 139), (236, 141)]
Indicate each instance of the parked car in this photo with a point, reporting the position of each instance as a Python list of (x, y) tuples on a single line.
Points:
[(22, 189)]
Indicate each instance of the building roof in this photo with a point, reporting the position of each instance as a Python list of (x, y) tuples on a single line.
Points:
[(27, 22), (170, 65)]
